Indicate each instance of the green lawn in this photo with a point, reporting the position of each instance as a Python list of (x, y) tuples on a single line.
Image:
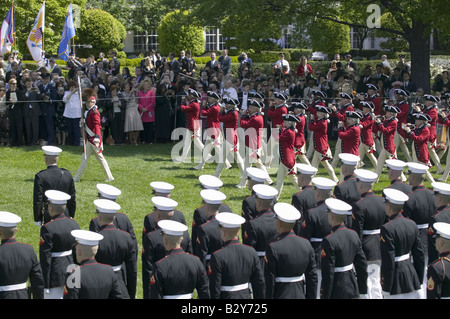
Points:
[(133, 168)]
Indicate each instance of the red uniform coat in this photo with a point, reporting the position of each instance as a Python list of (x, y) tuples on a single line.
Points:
[(367, 123), (276, 114), (377, 102), (212, 120), (93, 122), (286, 146), (340, 112), (312, 107), (420, 136), (388, 129), (402, 117), (192, 114), (350, 139), (253, 137), (433, 113), (300, 134), (320, 136), (230, 122)]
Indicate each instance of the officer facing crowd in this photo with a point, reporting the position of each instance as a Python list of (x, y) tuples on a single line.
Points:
[(438, 274)]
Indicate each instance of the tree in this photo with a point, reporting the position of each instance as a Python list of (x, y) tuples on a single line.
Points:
[(329, 38), (179, 31)]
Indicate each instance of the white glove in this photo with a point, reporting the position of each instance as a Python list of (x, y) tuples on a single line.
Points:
[(38, 223)]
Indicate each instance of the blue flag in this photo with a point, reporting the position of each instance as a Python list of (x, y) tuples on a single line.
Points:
[(7, 32), (67, 35)]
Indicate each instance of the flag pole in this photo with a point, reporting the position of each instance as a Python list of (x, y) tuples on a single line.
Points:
[(14, 30), (43, 31)]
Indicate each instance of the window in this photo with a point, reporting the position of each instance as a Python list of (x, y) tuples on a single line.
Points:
[(211, 40), (140, 41)]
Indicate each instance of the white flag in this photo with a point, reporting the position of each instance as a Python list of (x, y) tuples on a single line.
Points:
[(35, 41)]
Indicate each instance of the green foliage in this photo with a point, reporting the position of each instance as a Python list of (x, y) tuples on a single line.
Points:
[(329, 37), (178, 31), (101, 30)]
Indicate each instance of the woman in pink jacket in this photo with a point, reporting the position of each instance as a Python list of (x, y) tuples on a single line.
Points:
[(147, 100)]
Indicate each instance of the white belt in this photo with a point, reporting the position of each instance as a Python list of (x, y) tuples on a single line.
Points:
[(182, 296), (62, 253), (13, 287), (315, 239), (342, 269), (116, 268), (234, 288), (401, 258), (290, 279), (445, 297), (371, 232), (261, 253), (422, 226)]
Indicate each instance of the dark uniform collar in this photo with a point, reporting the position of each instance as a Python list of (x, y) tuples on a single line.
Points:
[(176, 251), (109, 226), (395, 181), (349, 177), (231, 242), (399, 215), (418, 187), (8, 241), (62, 215), (307, 187), (369, 193), (444, 254), (443, 207), (89, 261), (285, 234), (337, 227)]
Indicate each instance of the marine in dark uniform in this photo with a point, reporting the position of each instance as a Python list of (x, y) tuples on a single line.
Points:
[(290, 268), (18, 263), (117, 247), (347, 190), (179, 273), (55, 245), (395, 174), (233, 267), (438, 273), (341, 253), (52, 178), (401, 277), (91, 279)]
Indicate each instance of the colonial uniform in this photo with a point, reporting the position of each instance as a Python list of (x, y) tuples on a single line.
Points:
[(18, 263), (432, 112), (438, 274), (53, 178), (275, 114), (350, 135), (235, 266), (367, 145), (300, 142), (402, 118), (341, 253), (318, 97), (446, 122), (341, 116), (290, 262)]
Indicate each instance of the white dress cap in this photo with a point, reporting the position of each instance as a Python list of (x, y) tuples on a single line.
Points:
[(395, 164), (349, 159), (161, 187), (164, 203), (212, 196), (256, 174), (230, 220), (442, 229), (395, 196), (286, 212), (8, 219), (57, 197), (86, 237), (210, 182), (441, 188), (108, 191), (417, 168), (365, 175), (171, 227), (338, 206), (323, 183), (106, 206), (51, 150), (265, 191), (306, 169)]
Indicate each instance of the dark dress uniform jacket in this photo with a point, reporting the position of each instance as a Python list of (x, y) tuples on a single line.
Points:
[(347, 191), (54, 178), (401, 186), (303, 201), (400, 236), (153, 250), (179, 273), (150, 223), (18, 263), (208, 240), (96, 281), (368, 217), (116, 248), (56, 238), (235, 264), (420, 207), (249, 210), (442, 215), (438, 283), (290, 256), (315, 227), (339, 249)]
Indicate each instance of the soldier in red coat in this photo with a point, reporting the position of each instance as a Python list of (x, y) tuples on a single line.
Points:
[(444, 119), (277, 109), (373, 97), (431, 109), (287, 152), (350, 133), (213, 136), (367, 145), (93, 137), (388, 129), (253, 123), (318, 99), (230, 149), (191, 107), (322, 153), (402, 104), (340, 112), (299, 109), (420, 135)]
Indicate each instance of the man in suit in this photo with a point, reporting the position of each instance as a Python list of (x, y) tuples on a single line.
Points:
[(213, 64), (52, 178), (350, 63), (31, 111), (244, 59), (53, 67), (175, 65), (225, 62), (48, 94)]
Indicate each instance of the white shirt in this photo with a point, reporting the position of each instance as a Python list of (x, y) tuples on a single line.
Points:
[(230, 92), (281, 63), (72, 109)]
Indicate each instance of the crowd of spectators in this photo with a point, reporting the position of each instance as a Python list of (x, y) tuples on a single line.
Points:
[(42, 106)]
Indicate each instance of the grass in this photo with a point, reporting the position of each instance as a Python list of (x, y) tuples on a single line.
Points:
[(133, 168)]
